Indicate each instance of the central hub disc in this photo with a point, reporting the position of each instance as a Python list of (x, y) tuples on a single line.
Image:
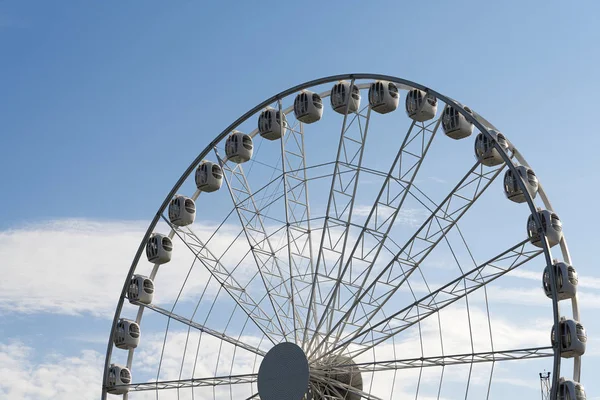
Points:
[(283, 373)]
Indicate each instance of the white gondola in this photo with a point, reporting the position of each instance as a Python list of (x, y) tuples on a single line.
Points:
[(308, 107), (420, 106), (455, 125), (485, 151), (209, 176), (511, 187), (127, 334), (238, 147), (551, 228), (383, 97), (270, 124), (159, 249), (566, 281), (344, 98), (182, 211), (568, 389), (118, 380), (141, 289), (572, 338)]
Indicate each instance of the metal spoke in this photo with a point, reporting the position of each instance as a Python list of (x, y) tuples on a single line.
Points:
[(226, 279), (191, 383), (271, 273), (297, 215), (435, 301), (454, 359), (339, 213), (203, 328), (377, 227), (418, 247)]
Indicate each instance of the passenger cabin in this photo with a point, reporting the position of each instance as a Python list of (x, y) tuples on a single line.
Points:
[(486, 152), (420, 106), (383, 97), (568, 389), (511, 184), (345, 99), (159, 249), (308, 107), (454, 124), (141, 289), (238, 147), (209, 176), (551, 228), (118, 380), (572, 338), (270, 125), (127, 334), (566, 281), (182, 211)]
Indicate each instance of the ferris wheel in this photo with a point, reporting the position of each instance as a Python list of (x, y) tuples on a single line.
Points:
[(347, 251)]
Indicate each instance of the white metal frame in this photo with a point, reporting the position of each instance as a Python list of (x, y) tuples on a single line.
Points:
[(288, 311)]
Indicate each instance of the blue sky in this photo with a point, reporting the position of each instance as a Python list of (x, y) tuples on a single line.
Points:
[(104, 104)]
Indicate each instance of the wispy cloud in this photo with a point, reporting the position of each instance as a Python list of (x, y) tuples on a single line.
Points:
[(79, 266), (56, 376), (412, 217)]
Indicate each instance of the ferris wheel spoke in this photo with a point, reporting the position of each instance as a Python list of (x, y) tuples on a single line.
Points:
[(375, 231), (267, 263), (203, 328), (419, 246), (432, 303), (225, 278), (297, 215), (339, 214), (194, 382), (447, 360)]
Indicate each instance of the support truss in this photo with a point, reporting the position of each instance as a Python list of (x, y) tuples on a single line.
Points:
[(457, 289), (267, 263), (297, 216), (191, 383), (446, 360), (339, 214), (372, 298), (374, 234), (203, 328), (225, 278)]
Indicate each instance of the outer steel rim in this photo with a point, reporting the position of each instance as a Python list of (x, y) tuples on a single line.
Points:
[(478, 121)]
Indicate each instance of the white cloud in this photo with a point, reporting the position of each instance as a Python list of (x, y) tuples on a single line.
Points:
[(412, 217), (69, 267), (56, 377), (79, 266)]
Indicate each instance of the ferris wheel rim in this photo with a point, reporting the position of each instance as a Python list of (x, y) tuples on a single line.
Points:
[(479, 122)]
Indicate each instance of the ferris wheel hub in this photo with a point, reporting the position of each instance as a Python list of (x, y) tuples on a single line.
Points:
[(341, 372), (283, 373)]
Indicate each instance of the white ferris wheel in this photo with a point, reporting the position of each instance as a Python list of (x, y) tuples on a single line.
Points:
[(344, 249)]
